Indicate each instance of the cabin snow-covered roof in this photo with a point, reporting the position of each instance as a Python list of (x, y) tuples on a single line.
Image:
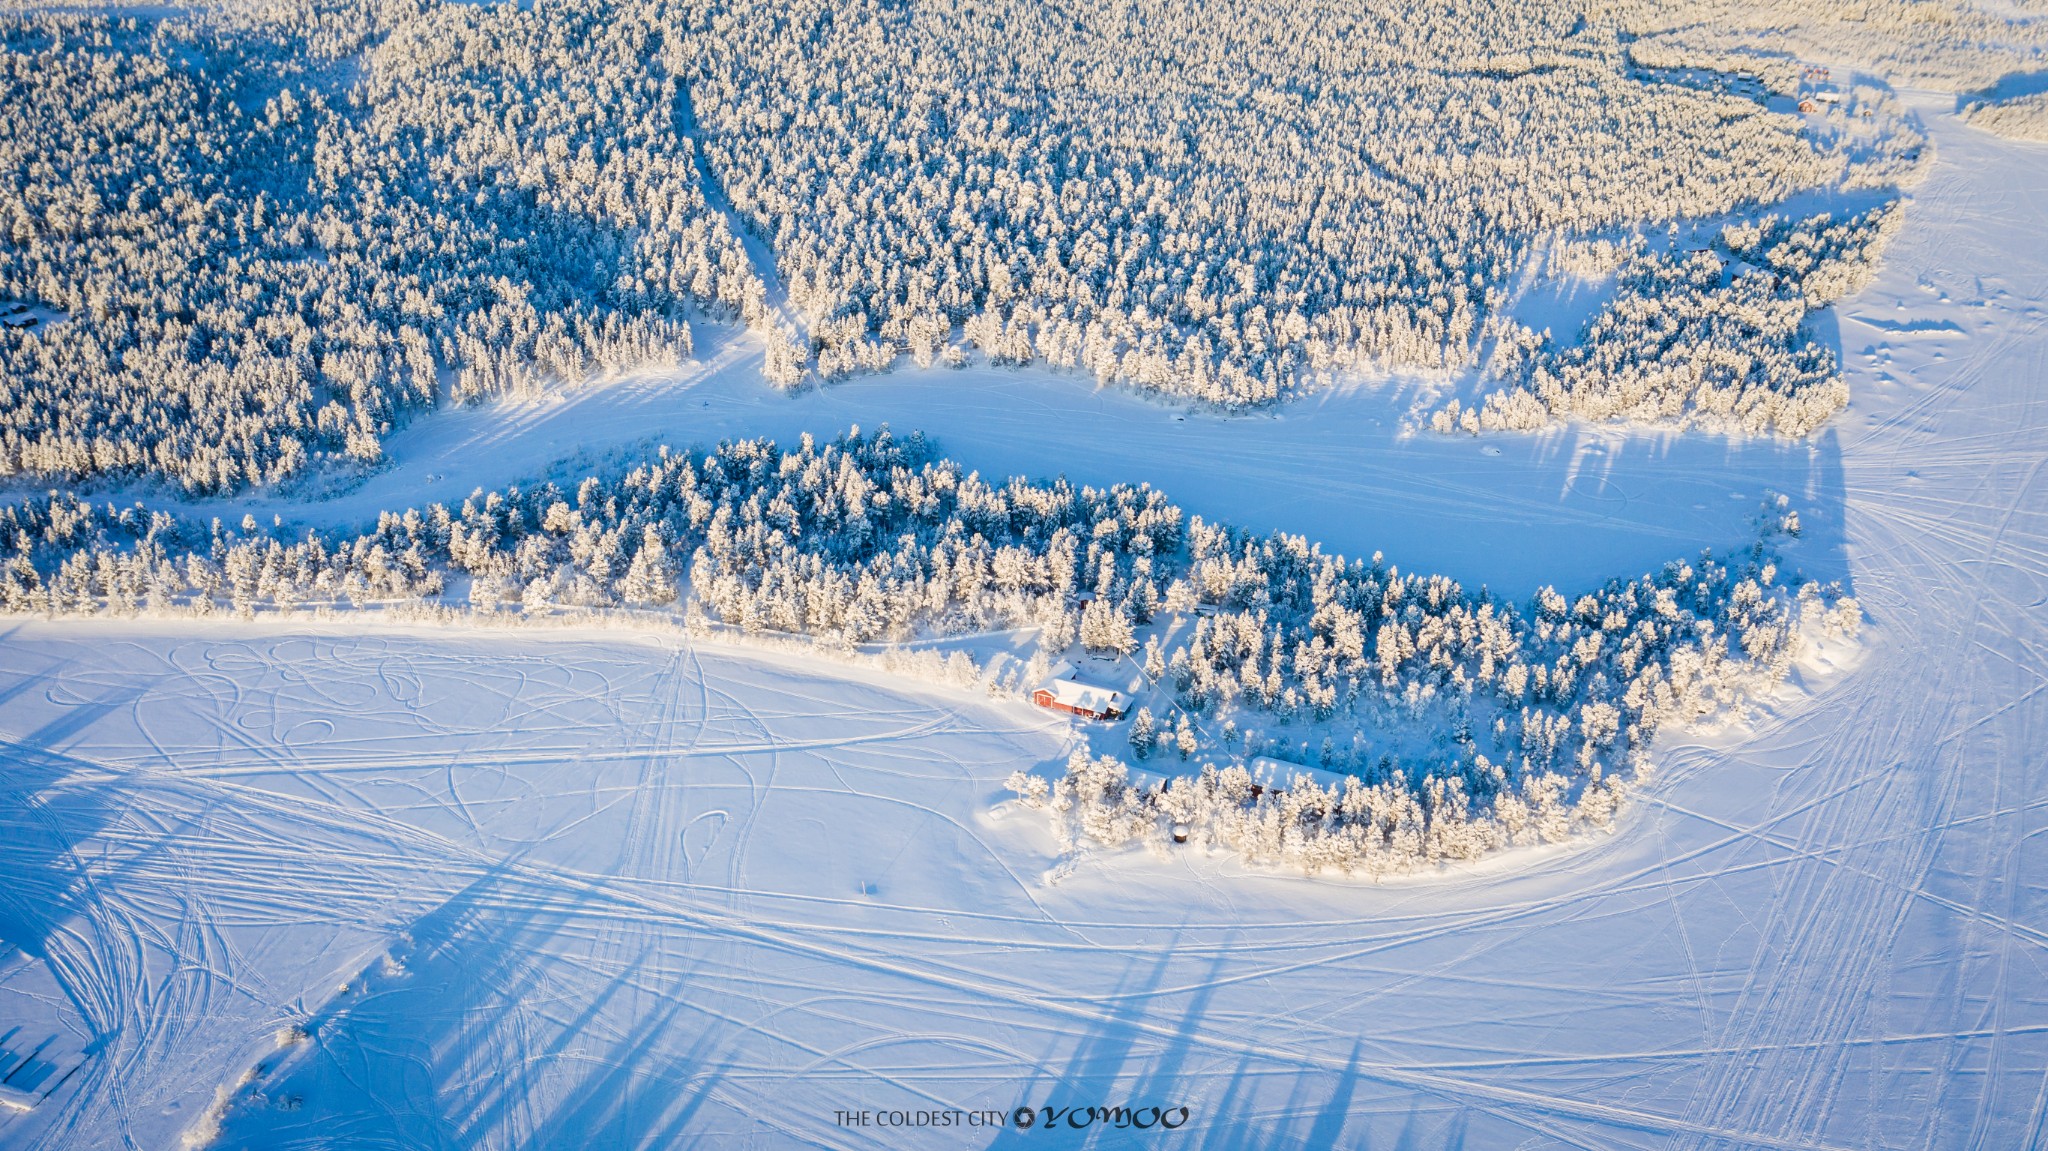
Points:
[(1088, 697)]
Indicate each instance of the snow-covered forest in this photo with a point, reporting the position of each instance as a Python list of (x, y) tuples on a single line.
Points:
[(273, 242), (406, 748), (1208, 201), (1714, 337), (1943, 44), (263, 236), (1469, 720), (2017, 117)]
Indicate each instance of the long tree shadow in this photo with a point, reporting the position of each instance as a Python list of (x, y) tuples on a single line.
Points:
[(1100, 1072), (450, 1041), (423, 1047), (1121, 1063), (47, 812), (2009, 86), (53, 911)]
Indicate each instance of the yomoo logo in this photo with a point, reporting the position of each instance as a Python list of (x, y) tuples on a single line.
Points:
[(1077, 1118)]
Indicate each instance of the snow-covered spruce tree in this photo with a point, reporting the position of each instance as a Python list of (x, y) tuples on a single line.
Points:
[(1144, 733)]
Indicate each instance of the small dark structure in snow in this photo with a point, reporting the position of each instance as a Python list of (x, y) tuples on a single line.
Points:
[(1084, 700), (29, 1078)]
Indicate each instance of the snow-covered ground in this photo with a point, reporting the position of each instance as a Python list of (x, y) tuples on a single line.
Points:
[(599, 889)]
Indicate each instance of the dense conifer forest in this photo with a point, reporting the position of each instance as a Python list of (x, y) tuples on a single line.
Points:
[(258, 237)]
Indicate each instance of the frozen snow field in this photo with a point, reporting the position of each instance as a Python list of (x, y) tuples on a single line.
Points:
[(466, 888)]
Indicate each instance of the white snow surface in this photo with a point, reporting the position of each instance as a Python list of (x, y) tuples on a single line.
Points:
[(596, 889)]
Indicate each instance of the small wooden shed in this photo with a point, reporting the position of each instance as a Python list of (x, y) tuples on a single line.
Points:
[(1084, 700)]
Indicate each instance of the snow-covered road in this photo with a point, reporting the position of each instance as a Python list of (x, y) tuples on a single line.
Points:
[(597, 890)]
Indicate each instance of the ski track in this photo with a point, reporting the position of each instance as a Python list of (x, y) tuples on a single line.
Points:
[(583, 888)]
